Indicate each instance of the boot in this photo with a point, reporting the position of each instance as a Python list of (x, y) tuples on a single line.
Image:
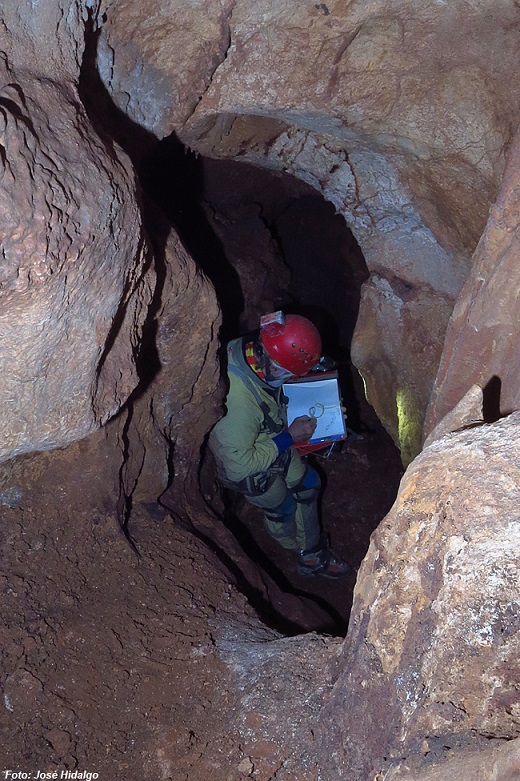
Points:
[(320, 560)]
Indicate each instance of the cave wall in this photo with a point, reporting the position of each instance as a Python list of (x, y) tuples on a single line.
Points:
[(401, 118), (486, 319), (430, 664), (415, 192), (82, 291), (76, 278)]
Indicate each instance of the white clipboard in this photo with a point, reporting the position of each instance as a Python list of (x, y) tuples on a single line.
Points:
[(318, 397)]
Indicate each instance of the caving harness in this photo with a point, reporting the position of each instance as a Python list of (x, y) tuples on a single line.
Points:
[(254, 485)]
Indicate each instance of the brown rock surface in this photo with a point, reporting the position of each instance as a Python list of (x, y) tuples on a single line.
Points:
[(433, 647), (499, 763), (140, 661), (400, 116), (153, 666), (75, 281), (166, 422), (481, 345)]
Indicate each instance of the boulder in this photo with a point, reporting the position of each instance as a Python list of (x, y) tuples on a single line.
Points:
[(432, 653)]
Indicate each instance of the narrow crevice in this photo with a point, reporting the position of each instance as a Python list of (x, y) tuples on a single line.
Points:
[(265, 221), (264, 241)]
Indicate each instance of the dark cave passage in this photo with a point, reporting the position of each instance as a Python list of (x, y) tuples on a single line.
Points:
[(268, 241)]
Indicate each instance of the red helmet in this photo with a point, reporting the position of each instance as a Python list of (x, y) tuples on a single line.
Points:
[(295, 345)]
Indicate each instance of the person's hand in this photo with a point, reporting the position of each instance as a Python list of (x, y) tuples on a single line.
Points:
[(302, 428)]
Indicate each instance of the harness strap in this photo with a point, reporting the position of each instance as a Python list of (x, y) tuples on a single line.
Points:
[(269, 423)]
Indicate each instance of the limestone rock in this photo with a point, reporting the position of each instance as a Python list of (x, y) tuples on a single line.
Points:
[(468, 412), (399, 325), (157, 61), (482, 339), (433, 645), (75, 282), (399, 116), (500, 762), (168, 422)]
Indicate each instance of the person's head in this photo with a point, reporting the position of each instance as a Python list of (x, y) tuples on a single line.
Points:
[(291, 345)]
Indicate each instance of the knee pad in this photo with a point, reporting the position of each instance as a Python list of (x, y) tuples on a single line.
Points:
[(310, 481), (307, 490), (311, 478), (282, 512)]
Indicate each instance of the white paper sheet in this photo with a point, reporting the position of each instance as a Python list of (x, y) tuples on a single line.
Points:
[(318, 399)]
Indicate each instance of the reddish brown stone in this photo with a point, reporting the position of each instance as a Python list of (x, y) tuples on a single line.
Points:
[(481, 345)]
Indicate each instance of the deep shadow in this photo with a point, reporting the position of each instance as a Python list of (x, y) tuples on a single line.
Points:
[(234, 522), (173, 177), (327, 273), (328, 267), (361, 476), (491, 400), (329, 621), (113, 126), (326, 264)]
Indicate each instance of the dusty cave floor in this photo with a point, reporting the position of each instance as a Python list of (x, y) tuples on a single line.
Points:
[(149, 667), (155, 666)]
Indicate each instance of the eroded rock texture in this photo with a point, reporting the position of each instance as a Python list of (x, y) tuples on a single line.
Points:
[(399, 115), (500, 762), (75, 279), (482, 341), (430, 664)]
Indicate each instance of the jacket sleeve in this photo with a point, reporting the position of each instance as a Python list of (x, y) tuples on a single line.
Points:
[(237, 439)]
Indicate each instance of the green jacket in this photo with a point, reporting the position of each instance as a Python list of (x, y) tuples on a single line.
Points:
[(242, 441)]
